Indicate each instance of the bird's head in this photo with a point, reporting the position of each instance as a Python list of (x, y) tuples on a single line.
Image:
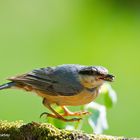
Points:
[(94, 76)]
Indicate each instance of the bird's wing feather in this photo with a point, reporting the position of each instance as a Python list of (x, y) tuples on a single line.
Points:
[(54, 81)]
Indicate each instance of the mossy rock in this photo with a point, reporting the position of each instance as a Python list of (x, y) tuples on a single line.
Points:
[(43, 131)]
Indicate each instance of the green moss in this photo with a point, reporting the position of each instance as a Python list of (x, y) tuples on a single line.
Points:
[(43, 131)]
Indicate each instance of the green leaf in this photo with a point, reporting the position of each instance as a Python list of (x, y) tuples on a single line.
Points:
[(97, 120), (110, 96)]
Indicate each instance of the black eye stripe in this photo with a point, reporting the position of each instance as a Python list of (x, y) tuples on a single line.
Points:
[(93, 71), (88, 72)]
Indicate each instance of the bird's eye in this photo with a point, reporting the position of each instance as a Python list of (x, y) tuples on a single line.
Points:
[(95, 73)]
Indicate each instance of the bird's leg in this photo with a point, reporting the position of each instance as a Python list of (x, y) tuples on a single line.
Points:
[(69, 113), (55, 114)]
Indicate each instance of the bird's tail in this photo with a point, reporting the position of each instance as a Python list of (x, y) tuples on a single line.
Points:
[(7, 85)]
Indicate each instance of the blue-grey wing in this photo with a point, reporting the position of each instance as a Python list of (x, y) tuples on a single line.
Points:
[(62, 80)]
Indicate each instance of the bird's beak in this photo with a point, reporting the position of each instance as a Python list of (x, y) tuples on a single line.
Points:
[(108, 77)]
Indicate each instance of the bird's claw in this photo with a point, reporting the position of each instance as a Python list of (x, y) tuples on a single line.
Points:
[(44, 113), (61, 118), (80, 113), (83, 113), (75, 119)]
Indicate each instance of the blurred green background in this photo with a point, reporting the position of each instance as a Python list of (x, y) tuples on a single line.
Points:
[(40, 33)]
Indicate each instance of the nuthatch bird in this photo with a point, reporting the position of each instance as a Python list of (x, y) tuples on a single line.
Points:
[(64, 85)]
